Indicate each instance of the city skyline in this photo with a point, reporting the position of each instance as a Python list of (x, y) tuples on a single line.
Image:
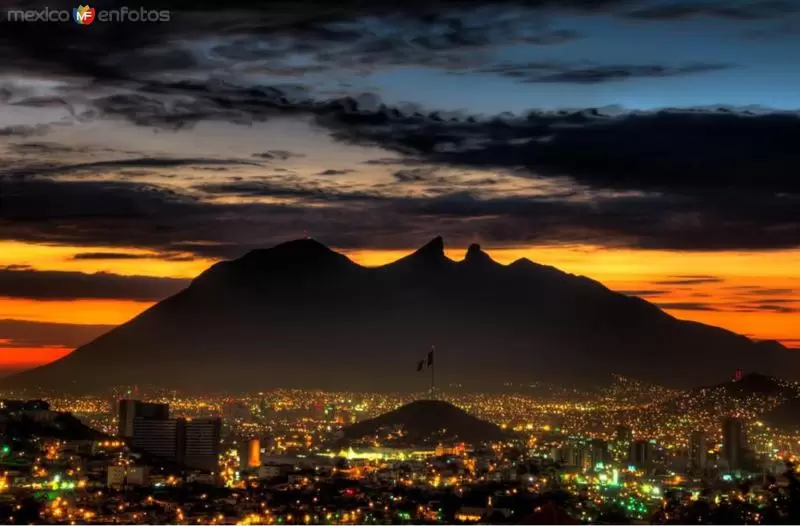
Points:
[(400, 262), (717, 454)]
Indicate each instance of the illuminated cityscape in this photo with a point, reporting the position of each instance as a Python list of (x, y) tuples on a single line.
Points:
[(451, 262), (630, 452)]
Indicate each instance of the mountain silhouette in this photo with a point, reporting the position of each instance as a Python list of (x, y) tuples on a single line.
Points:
[(302, 315), (426, 422)]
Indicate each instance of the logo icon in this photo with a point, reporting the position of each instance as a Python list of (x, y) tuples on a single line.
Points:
[(83, 14)]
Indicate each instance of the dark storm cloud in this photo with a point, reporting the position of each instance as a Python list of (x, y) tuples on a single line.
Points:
[(23, 131), (42, 148), (682, 151), (455, 42), (128, 214), (776, 308), (764, 10), (201, 101), (550, 72), (277, 155), (105, 256), (352, 35), (711, 179), (17, 267), (486, 181), (663, 144), (754, 290), (36, 334), (302, 190), (52, 285), (113, 214), (686, 306), (642, 222), (689, 280), (769, 302), (772, 309), (645, 292), (779, 301), (413, 175), (32, 200), (331, 171), (143, 162), (108, 256), (705, 179), (716, 170), (558, 36)]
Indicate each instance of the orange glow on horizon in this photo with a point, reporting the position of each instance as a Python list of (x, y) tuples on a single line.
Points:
[(78, 312), (62, 258), (16, 358)]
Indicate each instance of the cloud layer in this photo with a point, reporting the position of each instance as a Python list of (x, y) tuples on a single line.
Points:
[(51, 285), (696, 179)]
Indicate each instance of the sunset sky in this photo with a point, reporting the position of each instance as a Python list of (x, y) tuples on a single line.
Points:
[(650, 145)]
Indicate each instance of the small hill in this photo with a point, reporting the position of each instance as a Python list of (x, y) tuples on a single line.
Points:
[(425, 422), (62, 426), (754, 395), (755, 384)]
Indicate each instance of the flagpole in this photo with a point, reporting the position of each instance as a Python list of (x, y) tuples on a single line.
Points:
[(433, 370)]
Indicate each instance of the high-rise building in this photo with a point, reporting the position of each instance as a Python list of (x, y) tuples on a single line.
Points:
[(160, 438), (698, 451), (201, 445), (130, 410), (251, 453), (599, 452), (194, 443), (733, 442), (621, 443), (641, 453), (573, 455)]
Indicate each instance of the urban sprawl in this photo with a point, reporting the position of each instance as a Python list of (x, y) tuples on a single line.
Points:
[(631, 453)]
